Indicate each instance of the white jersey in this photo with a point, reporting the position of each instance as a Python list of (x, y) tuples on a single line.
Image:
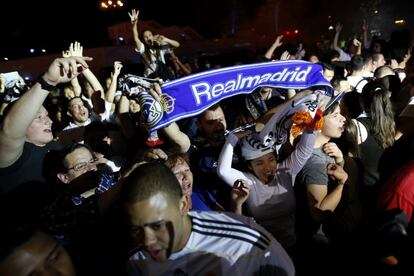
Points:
[(220, 244)]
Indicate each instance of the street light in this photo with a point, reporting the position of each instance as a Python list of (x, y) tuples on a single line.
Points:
[(399, 22), (112, 4)]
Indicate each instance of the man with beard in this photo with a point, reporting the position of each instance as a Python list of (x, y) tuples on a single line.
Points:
[(170, 240), (205, 152)]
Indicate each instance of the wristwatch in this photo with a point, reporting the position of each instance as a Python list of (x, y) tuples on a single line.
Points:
[(45, 86)]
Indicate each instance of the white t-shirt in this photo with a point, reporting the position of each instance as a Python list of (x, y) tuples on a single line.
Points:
[(220, 244), (357, 82), (272, 205), (72, 125), (150, 61)]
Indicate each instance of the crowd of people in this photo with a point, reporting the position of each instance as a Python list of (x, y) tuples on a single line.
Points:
[(86, 189)]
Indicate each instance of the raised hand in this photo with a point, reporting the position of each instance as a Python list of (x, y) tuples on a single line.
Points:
[(278, 42), (394, 64), (285, 56), (133, 15), (364, 25), (301, 52), (156, 92), (66, 54), (76, 50), (159, 37), (338, 27), (64, 69), (117, 68), (239, 194)]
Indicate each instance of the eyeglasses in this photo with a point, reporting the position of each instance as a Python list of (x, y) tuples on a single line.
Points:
[(82, 165)]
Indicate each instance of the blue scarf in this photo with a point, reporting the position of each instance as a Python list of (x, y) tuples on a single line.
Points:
[(191, 95)]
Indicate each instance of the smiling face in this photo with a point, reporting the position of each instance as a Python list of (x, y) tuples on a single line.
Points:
[(77, 162), (40, 131), (264, 167), (157, 225), (78, 111)]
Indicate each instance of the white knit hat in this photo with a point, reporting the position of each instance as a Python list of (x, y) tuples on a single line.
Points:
[(252, 148), (276, 130)]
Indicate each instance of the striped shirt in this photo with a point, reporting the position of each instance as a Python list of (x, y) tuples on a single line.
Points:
[(219, 244)]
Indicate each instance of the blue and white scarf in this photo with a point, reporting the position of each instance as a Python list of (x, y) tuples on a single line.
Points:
[(191, 95)]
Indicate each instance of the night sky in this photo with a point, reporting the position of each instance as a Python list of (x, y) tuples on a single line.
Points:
[(34, 23)]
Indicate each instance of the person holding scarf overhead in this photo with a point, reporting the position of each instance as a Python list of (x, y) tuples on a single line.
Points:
[(267, 185)]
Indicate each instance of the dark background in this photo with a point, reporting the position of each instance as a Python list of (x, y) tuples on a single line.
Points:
[(54, 24)]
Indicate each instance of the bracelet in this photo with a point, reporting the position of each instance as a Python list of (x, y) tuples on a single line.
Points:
[(45, 86)]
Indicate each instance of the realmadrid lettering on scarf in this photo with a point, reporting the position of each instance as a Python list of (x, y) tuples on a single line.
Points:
[(191, 95)]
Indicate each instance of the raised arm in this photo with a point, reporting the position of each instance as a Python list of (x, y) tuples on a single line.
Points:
[(338, 29), (125, 122), (273, 47), (173, 132), (357, 44), (177, 137), (303, 150), (162, 40), (224, 169), (24, 111), (365, 34), (110, 93), (75, 50), (133, 15)]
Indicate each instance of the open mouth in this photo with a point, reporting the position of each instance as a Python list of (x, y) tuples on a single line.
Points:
[(269, 176), (155, 254), (187, 188)]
